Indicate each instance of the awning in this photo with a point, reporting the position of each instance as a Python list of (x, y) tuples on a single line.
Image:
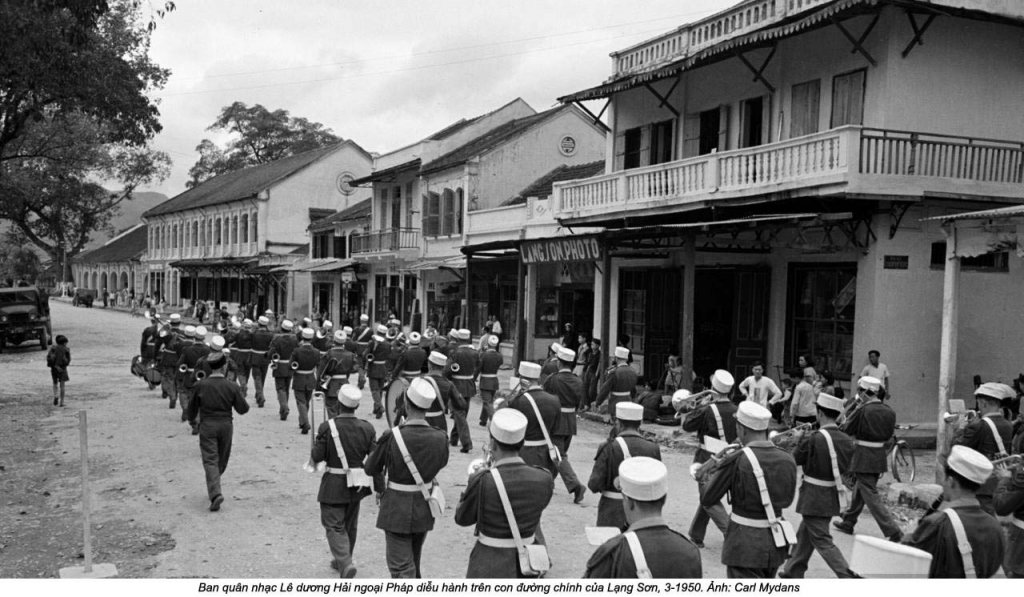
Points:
[(742, 221), (226, 263), (386, 174), (497, 245), (449, 263), (322, 265), (999, 213)]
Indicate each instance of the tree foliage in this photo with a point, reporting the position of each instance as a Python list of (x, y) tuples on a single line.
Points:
[(258, 136), (17, 260)]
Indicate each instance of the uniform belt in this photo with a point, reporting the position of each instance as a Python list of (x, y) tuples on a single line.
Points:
[(568, 410), (411, 373), (1017, 523), (340, 376), (819, 482), (757, 523), (336, 471), (868, 444), (621, 394), (189, 370), (462, 377), (434, 413), (236, 349), (305, 371), (612, 495), (403, 487), (533, 443), (502, 543), (488, 375)]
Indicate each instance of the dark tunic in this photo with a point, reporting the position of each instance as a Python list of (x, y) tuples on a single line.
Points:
[(569, 389), (377, 354), (307, 357), (549, 408), (345, 363), (215, 397), (606, 471), (1009, 500), (490, 361), (873, 422), (463, 367), (411, 362), (167, 353), (812, 454), (935, 535), (668, 554), (241, 350), (703, 422), (190, 356), (283, 345), (448, 398), (618, 386), (147, 346), (261, 340), (357, 440), (529, 490)]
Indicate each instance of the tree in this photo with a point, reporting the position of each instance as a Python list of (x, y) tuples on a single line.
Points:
[(17, 260), (261, 136)]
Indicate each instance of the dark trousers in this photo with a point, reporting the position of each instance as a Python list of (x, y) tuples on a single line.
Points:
[(340, 523), (737, 572), (564, 468), (716, 514), (402, 552), (302, 400), (167, 385), (812, 535), (865, 493), (460, 430), (259, 377), (184, 398), (282, 384), (215, 449), (376, 389), (244, 369), (487, 406)]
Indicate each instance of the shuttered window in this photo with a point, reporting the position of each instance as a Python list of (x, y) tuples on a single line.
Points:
[(431, 214), (848, 98), (447, 212), (804, 108)]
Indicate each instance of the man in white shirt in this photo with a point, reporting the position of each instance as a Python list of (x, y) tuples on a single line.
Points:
[(878, 371), (758, 388)]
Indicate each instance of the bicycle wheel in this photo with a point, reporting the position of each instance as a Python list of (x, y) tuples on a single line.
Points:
[(902, 463)]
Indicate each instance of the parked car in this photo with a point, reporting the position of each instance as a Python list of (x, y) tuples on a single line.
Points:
[(83, 297), (24, 315)]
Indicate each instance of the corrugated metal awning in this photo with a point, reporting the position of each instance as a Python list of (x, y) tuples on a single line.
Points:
[(1012, 211)]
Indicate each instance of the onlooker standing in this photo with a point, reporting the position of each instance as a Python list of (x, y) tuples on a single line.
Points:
[(496, 327), (877, 370), (106, 298), (569, 338), (58, 360), (802, 408), (758, 388)]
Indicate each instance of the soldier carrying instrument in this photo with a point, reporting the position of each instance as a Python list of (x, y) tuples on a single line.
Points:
[(543, 411), (463, 368), (304, 361), (376, 355), (1009, 501), (280, 351), (166, 348), (242, 355), (569, 388), (490, 362), (147, 346), (448, 396), (187, 362), (412, 362), (990, 434), (323, 339), (260, 361), (619, 383), (337, 364), (626, 444)]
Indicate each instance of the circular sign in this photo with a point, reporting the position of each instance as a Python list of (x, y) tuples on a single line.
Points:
[(344, 183), (567, 146)]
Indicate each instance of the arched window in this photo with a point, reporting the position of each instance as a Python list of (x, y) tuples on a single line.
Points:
[(255, 228), (447, 212), (217, 232), (245, 228), (174, 237), (195, 233), (234, 230)]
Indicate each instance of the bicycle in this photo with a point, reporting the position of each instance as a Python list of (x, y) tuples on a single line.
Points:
[(902, 463)]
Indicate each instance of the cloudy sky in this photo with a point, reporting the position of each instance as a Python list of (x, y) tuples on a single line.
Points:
[(387, 72)]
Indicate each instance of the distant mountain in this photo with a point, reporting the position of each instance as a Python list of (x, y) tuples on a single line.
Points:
[(129, 215)]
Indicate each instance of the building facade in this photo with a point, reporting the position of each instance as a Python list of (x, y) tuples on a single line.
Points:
[(115, 266)]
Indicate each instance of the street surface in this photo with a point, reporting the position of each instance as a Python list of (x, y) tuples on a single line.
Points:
[(150, 509)]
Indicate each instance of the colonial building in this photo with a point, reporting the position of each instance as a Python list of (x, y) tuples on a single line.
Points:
[(337, 283), (116, 265), (768, 179), (232, 238)]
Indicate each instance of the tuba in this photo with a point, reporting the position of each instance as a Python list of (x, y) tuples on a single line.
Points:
[(787, 440)]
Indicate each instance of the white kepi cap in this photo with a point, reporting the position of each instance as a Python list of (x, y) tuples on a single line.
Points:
[(508, 426), (347, 329), (414, 337), (438, 358), (364, 317), (492, 341), (566, 354), (217, 343), (340, 337), (175, 318), (830, 402), (995, 391), (381, 328), (621, 352), (190, 331), (327, 324), (287, 325), (349, 395), (421, 393), (464, 334), (529, 370), (307, 333), (753, 416), (970, 464), (869, 383), (629, 411), (263, 320), (643, 479), (679, 397), (722, 381), (201, 331)]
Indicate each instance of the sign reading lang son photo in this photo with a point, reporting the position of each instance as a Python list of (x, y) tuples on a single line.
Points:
[(556, 250)]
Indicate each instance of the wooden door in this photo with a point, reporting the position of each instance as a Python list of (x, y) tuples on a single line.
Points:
[(750, 322), (661, 338)]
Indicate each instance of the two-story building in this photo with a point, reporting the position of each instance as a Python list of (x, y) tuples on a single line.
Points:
[(232, 238), (116, 265), (767, 180), (337, 282)]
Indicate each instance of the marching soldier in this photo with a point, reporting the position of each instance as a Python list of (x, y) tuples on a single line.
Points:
[(825, 457), (344, 364), (1009, 501), (989, 434), (147, 346), (261, 340), (716, 420), (405, 515), (305, 324), (412, 362), (507, 492), (619, 383), (343, 442), (965, 541), (304, 361), (761, 478), (186, 383), (448, 396), (490, 362), (439, 344), (569, 388), (363, 333), (377, 353), (167, 349), (542, 412), (282, 347), (242, 355), (649, 548), (322, 341), (626, 444), (463, 368), (214, 399), (871, 425), (550, 365), (352, 346)]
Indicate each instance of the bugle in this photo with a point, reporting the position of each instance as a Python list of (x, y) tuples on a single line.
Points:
[(183, 368), (480, 464), (274, 358), (295, 365), (699, 473), (696, 401), (780, 436), (1008, 462)]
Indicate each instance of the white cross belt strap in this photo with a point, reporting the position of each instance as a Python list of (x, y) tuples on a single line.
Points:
[(718, 421), (433, 496), (642, 571), (844, 493), (995, 435), (782, 531), (533, 559), (552, 450), (624, 448), (355, 477), (962, 543)]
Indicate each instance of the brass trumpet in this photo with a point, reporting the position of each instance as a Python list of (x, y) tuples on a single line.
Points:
[(702, 471), (480, 464), (274, 358), (295, 365), (1008, 462), (696, 401), (789, 433), (183, 368)]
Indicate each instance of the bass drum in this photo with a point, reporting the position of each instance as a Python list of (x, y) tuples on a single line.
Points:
[(394, 398)]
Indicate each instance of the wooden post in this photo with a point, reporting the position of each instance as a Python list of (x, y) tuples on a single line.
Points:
[(947, 345), (689, 288), (83, 437), (607, 347), (520, 348)]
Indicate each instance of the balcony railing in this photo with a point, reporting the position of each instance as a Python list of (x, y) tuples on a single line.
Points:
[(861, 160), (382, 241)]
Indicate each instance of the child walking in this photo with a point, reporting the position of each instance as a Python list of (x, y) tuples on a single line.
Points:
[(58, 360)]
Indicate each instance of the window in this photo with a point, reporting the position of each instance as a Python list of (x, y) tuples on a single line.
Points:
[(245, 228), (753, 121), (848, 98), (431, 214), (661, 141), (384, 212), (631, 148), (822, 306), (340, 250), (447, 212), (321, 246), (234, 230), (408, 212), (459, 198), (712, 127), (255, 221), (396, 208), (989, 262), (804, 108), (217, 232)]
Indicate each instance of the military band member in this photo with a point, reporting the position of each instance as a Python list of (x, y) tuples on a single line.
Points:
[(463, 368), (991, 434), (147, 345), (166, 348), (305, 324), (648, 548), (187, 362), (339, 502), (405, 515), (620, 382), (261, 340), (242, 354), (964, 540), (568, 387), (363, 333), (272, 321), (323, 339), (214, 399), (1009, 501), (448, 396), (872, 425), (412, 362), (550, 365), (377, 353), (304, 379), (528, 490), (490, 362), (626, 444), (282, 346), (717, 420), (755, 544), (825, 457), (345, 364), (536, 450)]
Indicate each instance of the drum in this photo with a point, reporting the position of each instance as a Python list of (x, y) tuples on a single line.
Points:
[(878, 558), (137, 369), (152, 376), (394, 399)]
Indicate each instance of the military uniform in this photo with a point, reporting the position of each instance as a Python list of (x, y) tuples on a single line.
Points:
[(871, 426), (749, 550), (490, 362), (978, 436), (322, 341), (462, 369), (283, 345), (529, 490), (215, 397), (261, 340), (404, 514), (448, 398), (619, 385), (1009, 501), (147, 346), (720, 423), (345, 364), (535, 450), (411, 362), (668, 554), (304, 380), (186, 382), (819, 500), (549, 368), (376, 369), (935, 535), (339, 503), (242, 355), (166, 350), (569, 388), (606, 470)]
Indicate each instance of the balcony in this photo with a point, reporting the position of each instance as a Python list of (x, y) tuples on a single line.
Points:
[(849, 159), (386, 241)]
